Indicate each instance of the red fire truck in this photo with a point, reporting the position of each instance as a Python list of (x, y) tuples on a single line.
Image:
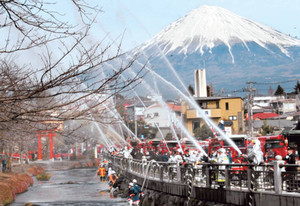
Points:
[(272, 146), (240, 141)]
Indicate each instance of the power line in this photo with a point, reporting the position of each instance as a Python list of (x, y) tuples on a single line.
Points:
[(259, 84), (279, 82)]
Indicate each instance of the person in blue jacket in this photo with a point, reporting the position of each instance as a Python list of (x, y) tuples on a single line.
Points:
[(135, 193)]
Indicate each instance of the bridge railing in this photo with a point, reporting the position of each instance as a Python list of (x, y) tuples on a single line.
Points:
[(245, 177), (290, 178)]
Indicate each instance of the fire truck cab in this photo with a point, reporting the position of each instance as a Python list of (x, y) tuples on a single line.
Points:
[(240, 141), (272, 146)]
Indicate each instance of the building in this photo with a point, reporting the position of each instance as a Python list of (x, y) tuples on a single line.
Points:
[(158, 115), (278, 125), (229, 109), (135, 112), (262, 104), (135, 109), (282, 106), (263, 101)]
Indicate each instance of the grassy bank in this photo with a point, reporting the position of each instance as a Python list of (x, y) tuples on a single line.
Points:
[(20, 179), (12, 184)]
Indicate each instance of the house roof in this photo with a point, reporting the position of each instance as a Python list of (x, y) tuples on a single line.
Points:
[(174, 107), (274, 123), (264, 115), (215, 98), (142, 105)]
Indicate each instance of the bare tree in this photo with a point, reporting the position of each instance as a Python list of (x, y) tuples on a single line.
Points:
[(66, 84)]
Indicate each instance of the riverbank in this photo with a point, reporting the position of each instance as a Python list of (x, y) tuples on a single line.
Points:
[(12, 184), (20, 178)]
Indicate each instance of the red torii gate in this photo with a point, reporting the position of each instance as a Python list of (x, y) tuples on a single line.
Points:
[(45, 133)]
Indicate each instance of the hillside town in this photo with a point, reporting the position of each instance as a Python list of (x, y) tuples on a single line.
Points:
[(251, 115)]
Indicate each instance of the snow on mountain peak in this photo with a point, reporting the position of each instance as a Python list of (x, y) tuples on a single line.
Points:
[(209, 26)]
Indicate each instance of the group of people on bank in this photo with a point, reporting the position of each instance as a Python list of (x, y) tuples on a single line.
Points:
[(178, 156), (187, 157), (183, 156), (134, 191)]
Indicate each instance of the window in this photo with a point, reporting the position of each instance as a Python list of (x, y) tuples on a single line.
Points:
[(203, 105), (271, 144), (196, 124), (217, 105), (155, 114), (232, 117), (238, 142), (227, 105)]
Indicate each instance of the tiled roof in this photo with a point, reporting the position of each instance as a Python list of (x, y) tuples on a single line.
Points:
[(174, 107), (264, 115)]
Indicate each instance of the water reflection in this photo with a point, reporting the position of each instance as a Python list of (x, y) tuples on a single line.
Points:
[(69, 187)]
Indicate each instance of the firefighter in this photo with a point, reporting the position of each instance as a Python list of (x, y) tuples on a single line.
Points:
[(112, 179), (178, 157), (291, 171), (130, 193), (213, 155), (221, 159), (135, 193), (105, 164), (186, 156), (127, 154), (101, 172), (221, 125), (290, 159), (256, 156)]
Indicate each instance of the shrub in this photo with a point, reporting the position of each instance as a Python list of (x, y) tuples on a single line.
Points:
[(43, 177)]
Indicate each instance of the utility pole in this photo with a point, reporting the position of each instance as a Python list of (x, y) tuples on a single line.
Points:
[(250, 91), (279, 126), (135, 121)]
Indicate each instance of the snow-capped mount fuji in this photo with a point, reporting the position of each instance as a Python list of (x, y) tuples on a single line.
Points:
[(210, 26), (231, 48)]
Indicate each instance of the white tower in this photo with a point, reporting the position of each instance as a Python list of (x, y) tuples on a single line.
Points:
[(200, 83)]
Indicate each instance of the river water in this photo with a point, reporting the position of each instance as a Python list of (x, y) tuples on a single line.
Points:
[(69, 187)]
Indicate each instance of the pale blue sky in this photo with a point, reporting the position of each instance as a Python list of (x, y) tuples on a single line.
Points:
[(141, 20)]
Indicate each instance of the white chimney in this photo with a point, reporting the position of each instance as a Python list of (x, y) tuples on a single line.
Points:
[(200, 83)]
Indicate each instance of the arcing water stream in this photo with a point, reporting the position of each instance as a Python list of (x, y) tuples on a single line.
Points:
[(188, 98)]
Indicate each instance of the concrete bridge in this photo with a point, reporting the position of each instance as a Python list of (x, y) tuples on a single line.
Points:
[(236, 184)]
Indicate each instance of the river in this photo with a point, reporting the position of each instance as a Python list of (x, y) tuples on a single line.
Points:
[(69, 187)]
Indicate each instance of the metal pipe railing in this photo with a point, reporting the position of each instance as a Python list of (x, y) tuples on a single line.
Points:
[(265, 177)]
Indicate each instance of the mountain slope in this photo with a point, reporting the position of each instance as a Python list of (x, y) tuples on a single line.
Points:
[(209, 26), (232, 49)]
